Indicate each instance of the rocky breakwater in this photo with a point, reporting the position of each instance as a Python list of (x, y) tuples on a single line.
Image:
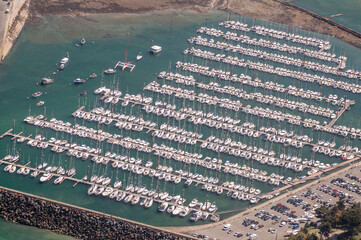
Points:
[(73, 221)]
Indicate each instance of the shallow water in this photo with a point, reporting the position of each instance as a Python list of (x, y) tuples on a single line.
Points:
[(12, 231), (41, 46)]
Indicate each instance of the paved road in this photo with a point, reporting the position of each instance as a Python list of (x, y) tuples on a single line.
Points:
[(263, 233), (3, 22)]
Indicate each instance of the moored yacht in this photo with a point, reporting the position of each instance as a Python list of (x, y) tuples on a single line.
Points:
[(46, 80), (155, 49), (110, 71)]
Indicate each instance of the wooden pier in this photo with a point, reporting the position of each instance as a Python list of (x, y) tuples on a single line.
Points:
[(285, 90), (134, 165), (6, 133), (339, 114), (204, 141), (42, 171)]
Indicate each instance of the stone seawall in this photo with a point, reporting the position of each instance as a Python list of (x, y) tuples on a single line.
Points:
[(319, 17), (19, 11), (74, 221)]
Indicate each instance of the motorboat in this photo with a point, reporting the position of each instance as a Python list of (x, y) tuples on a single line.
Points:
[(139, 56), (64, 60), (35, 173), (59, 180), (149, 203), (155, 49), (82, 41), (79, 80), (110, 71), (46, 177), (12, 169), (40, 103), (195, 216), (47, 81), (37, 94), (94, 75), (163, 207)]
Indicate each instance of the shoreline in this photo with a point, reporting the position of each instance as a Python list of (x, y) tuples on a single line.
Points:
[(278, 11), (15, 23), (21, 19)]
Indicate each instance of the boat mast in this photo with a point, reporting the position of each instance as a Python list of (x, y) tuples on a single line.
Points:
[(126, 52)]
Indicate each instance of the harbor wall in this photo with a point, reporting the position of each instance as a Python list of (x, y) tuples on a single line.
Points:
[(81, 223), (19, 11), (319, 17)]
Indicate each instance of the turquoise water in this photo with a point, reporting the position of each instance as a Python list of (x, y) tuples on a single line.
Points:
[(10, 231), (41, 46), (349, 9)]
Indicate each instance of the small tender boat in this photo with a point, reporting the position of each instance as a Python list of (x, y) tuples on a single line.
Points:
[(155, 49), (37, 94), (93, 75), (39, 104), (82, 41), (46, 81), (110, 71), (62, 66), (139, 56), (79, 80)]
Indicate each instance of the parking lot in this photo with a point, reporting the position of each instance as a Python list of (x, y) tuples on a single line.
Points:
[(285, 216)]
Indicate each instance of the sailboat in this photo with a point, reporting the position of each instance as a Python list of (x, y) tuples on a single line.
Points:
[(83, 92), (125, 64)]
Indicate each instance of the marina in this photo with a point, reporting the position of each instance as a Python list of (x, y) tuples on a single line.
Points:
[(242, 112)]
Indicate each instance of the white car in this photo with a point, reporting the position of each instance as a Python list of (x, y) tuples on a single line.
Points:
[(7, 10), (227, 225)]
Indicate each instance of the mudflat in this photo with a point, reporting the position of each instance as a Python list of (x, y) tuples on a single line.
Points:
[(277, 11)]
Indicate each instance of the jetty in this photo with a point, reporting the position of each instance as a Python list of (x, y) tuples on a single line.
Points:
[(339, 114), (76, 181)]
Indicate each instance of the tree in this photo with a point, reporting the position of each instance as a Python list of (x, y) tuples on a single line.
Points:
[(340, 204), (312, 236), (325, 229), (298, 236), (322, 212), (351, 219)]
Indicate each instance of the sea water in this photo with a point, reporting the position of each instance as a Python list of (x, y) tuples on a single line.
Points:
[(11, 231), (41, 46), (350, 10)]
